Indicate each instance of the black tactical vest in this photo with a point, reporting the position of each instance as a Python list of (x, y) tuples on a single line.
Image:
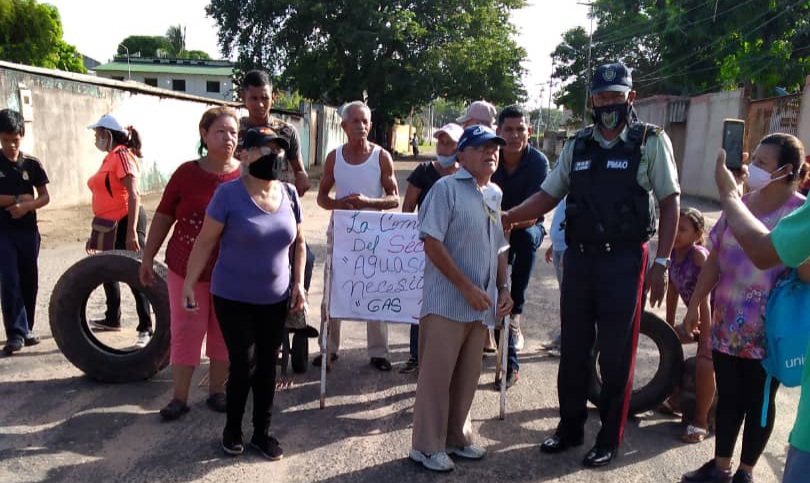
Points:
[(605, 203)]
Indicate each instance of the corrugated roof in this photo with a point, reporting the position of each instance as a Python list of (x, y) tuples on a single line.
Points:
[(163, 68)]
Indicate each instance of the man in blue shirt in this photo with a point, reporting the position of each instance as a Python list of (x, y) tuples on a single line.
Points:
[(521, 172)]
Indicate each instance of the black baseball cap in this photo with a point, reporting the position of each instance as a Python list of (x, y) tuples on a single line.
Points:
[(612, 77), (259, 136)]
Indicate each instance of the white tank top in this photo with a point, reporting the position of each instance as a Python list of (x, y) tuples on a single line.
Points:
[(362, 178)]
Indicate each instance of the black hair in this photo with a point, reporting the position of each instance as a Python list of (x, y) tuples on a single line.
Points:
[(11, 122), (791, 151), (129, 138), (511, 111), (256, 78)]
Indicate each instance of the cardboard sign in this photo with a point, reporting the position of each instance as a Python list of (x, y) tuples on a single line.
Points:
[(378, 266)]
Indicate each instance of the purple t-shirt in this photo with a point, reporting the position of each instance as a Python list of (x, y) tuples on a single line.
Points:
[(254, 254), (684, 274)]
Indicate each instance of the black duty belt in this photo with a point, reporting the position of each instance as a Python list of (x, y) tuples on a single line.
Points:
[(603, 248)]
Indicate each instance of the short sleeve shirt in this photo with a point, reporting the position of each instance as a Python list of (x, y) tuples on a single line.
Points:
[(20, 178), (455, 214), (253, 265), (656, 172), (110, 196), (184, 199), (524, 181), (283, 129), (423, 177), (742, 289), (791, 237)]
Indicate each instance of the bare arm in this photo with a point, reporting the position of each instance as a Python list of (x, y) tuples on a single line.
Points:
[(672, 303), (326, 201), (440, 257), (668, 224), (27, 203), (411, 197), (302, 184), (158, 231), (134, 202), (297, 297), (533, 207), (706, 281), (206, 241)]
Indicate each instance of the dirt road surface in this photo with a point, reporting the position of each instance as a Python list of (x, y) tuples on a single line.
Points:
[(58, 425)]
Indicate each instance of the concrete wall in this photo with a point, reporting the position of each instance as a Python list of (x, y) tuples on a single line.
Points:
[(62, 107), (704, 135)]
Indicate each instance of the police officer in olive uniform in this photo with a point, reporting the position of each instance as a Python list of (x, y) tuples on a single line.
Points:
[(610, 171)]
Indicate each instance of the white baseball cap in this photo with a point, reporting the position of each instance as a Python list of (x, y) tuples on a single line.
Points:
[(108, 121), (481, 111), (451, 129)]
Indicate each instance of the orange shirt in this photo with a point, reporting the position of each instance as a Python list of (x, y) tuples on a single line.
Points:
[(110, 197)]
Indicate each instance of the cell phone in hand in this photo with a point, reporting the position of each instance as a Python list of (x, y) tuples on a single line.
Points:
[(733, 139)]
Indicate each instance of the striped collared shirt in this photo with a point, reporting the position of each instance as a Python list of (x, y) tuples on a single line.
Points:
[(454, 213)]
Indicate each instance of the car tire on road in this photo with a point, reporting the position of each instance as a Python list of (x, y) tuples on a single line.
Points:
[(73, 335), (666, 377)]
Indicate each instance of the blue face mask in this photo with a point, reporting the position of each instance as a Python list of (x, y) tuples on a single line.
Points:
[(446, 161)]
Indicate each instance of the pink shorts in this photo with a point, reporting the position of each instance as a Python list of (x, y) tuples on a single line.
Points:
[(189, 328)]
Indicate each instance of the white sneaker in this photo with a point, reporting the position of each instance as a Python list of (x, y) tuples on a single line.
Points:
[(438, 461), (143, 339), (519, 340), (471, 452)]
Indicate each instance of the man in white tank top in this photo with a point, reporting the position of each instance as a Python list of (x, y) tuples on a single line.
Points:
[(362, 174)]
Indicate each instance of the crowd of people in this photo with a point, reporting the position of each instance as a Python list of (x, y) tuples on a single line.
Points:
[(238, 264)]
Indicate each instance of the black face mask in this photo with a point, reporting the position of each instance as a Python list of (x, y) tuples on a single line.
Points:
[(266, 167), (610, 117)]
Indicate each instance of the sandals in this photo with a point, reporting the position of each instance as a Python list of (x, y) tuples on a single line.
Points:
[(174, 410), (667, 407), (694, 434)]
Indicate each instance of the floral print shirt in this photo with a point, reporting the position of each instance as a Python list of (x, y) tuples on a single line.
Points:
[(742, 290)]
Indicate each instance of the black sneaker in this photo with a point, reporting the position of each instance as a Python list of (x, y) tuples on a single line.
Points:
[(742, 476), (708, 473), (232, 442), (12, 346), (32, 340), (318, 360), (103, 325), (217, 402), (381, 363), (268, 447), (411, 366)]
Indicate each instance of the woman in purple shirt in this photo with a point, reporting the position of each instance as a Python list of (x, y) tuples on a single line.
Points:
[(255, 219)]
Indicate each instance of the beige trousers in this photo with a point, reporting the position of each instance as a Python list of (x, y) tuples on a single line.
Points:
[(376, 331), (449, 367)]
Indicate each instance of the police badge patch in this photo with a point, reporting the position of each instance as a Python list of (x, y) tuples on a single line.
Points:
[(608, 75), (25, 176), (610, 119)]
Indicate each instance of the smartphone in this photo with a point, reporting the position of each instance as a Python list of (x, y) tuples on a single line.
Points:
[(733, 139)]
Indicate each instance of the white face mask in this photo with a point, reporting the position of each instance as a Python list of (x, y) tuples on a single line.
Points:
[(446, 161), (758, 178), (104, 145)]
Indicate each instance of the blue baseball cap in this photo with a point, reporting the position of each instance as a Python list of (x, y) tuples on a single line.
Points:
[(477, 135), (612, 77)]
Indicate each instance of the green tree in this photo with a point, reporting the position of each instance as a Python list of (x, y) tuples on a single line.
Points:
[(31, 33), (692, 47), (176, 35), (143, 45), (401, 54), (197, 54)]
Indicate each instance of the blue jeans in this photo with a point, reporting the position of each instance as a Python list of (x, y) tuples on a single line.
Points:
[(523, 244), (797, 466), (19, 250)]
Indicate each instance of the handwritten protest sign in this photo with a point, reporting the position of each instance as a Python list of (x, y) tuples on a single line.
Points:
[(378, 266)]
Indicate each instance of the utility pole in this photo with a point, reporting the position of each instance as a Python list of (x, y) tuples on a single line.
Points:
[(129, 67), (588, 70), (550, 86)]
